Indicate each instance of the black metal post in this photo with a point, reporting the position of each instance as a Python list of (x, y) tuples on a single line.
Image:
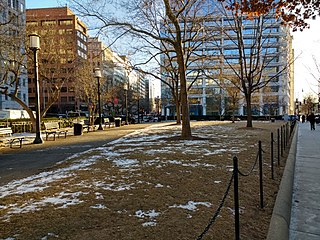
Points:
[(260, 175), (278, 143), (99, 101), (236, 199), (271, 156), (138, 108), (38, 138), (284, 137), (127, 117), (281, 142)]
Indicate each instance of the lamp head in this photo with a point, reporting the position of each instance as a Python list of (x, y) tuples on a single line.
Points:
[(97, 73), (34, 41)]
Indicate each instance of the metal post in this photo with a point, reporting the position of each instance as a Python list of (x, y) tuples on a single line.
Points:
[(236, 199), (99, 100), (278, 143), (272, 174), (260, 175), (284, 137), (98, 75), (35, 46), (127, 118), (281, 142)]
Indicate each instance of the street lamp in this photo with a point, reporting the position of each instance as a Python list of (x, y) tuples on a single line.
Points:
[(34, 47), (97, 74), (125, 87)]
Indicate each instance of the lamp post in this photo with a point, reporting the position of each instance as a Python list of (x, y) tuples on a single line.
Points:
[(97, 74), (34, 47), (125, 87)]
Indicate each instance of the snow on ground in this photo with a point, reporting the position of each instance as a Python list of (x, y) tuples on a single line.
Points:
[(146, 141)]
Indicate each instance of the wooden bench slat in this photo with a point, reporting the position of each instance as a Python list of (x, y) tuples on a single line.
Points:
[(53, 128), (6, 136)]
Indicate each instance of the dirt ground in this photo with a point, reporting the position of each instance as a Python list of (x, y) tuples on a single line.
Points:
[(149, 185)]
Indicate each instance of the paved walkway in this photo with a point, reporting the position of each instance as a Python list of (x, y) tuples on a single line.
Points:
[(305, 210), (31, 159)]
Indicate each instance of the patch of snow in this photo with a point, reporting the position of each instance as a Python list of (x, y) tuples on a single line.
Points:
[(150, 214), (191, 205), (50, 235), (149, 224), (98, 206), (126, 163)]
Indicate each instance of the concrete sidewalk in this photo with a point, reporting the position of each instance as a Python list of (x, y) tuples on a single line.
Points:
[(305, 209)]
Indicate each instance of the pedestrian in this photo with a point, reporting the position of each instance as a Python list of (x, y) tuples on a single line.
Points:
[(303, 118), (312, 121)]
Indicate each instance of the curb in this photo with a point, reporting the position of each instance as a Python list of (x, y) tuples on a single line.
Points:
[(280, 220)]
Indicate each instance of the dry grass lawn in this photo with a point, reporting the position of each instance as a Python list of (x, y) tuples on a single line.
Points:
[(148, 185)]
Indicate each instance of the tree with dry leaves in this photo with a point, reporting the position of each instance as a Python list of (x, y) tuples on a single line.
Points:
[(292, 12)]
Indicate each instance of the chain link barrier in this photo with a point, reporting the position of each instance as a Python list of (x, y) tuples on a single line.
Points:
[(234, 178), (252, 168), (216, 214)]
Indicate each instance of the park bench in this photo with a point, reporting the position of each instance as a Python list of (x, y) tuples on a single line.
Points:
[(7, 137), (109, 123), (53, 128), (88, 126)]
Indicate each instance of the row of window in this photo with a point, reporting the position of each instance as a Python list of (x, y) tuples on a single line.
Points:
[(51, 23)]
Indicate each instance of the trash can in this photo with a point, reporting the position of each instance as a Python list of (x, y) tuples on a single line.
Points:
[(117, 122), (77, 129)]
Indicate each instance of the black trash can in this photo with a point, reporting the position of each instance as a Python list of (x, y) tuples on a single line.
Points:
[(77, 129), (117, 122)]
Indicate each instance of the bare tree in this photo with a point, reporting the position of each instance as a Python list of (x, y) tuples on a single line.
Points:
[(309, 103), (173, 25), (13, 71), (255, 50), (86, 88)]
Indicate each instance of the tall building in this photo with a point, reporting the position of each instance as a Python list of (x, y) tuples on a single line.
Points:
[(218, 58), (12, 57), (116, 73), (63, 46)]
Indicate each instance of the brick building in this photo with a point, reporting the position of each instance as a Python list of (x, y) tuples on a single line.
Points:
[(63, 45)]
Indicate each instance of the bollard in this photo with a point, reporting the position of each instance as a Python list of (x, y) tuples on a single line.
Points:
[(278, 141), (260, 175), (284, 137), (281, 141), (271, 156), (236, 199)]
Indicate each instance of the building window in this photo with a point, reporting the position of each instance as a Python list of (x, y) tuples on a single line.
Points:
[(32, 23), (65, 22), (48, 22), (64, 99)]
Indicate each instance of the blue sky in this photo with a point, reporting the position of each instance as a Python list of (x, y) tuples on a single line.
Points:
[(43, 4), (306, 45)]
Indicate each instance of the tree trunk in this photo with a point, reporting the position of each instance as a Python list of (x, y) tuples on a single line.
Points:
[(249, 112), (178, 111), (186, 129)]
